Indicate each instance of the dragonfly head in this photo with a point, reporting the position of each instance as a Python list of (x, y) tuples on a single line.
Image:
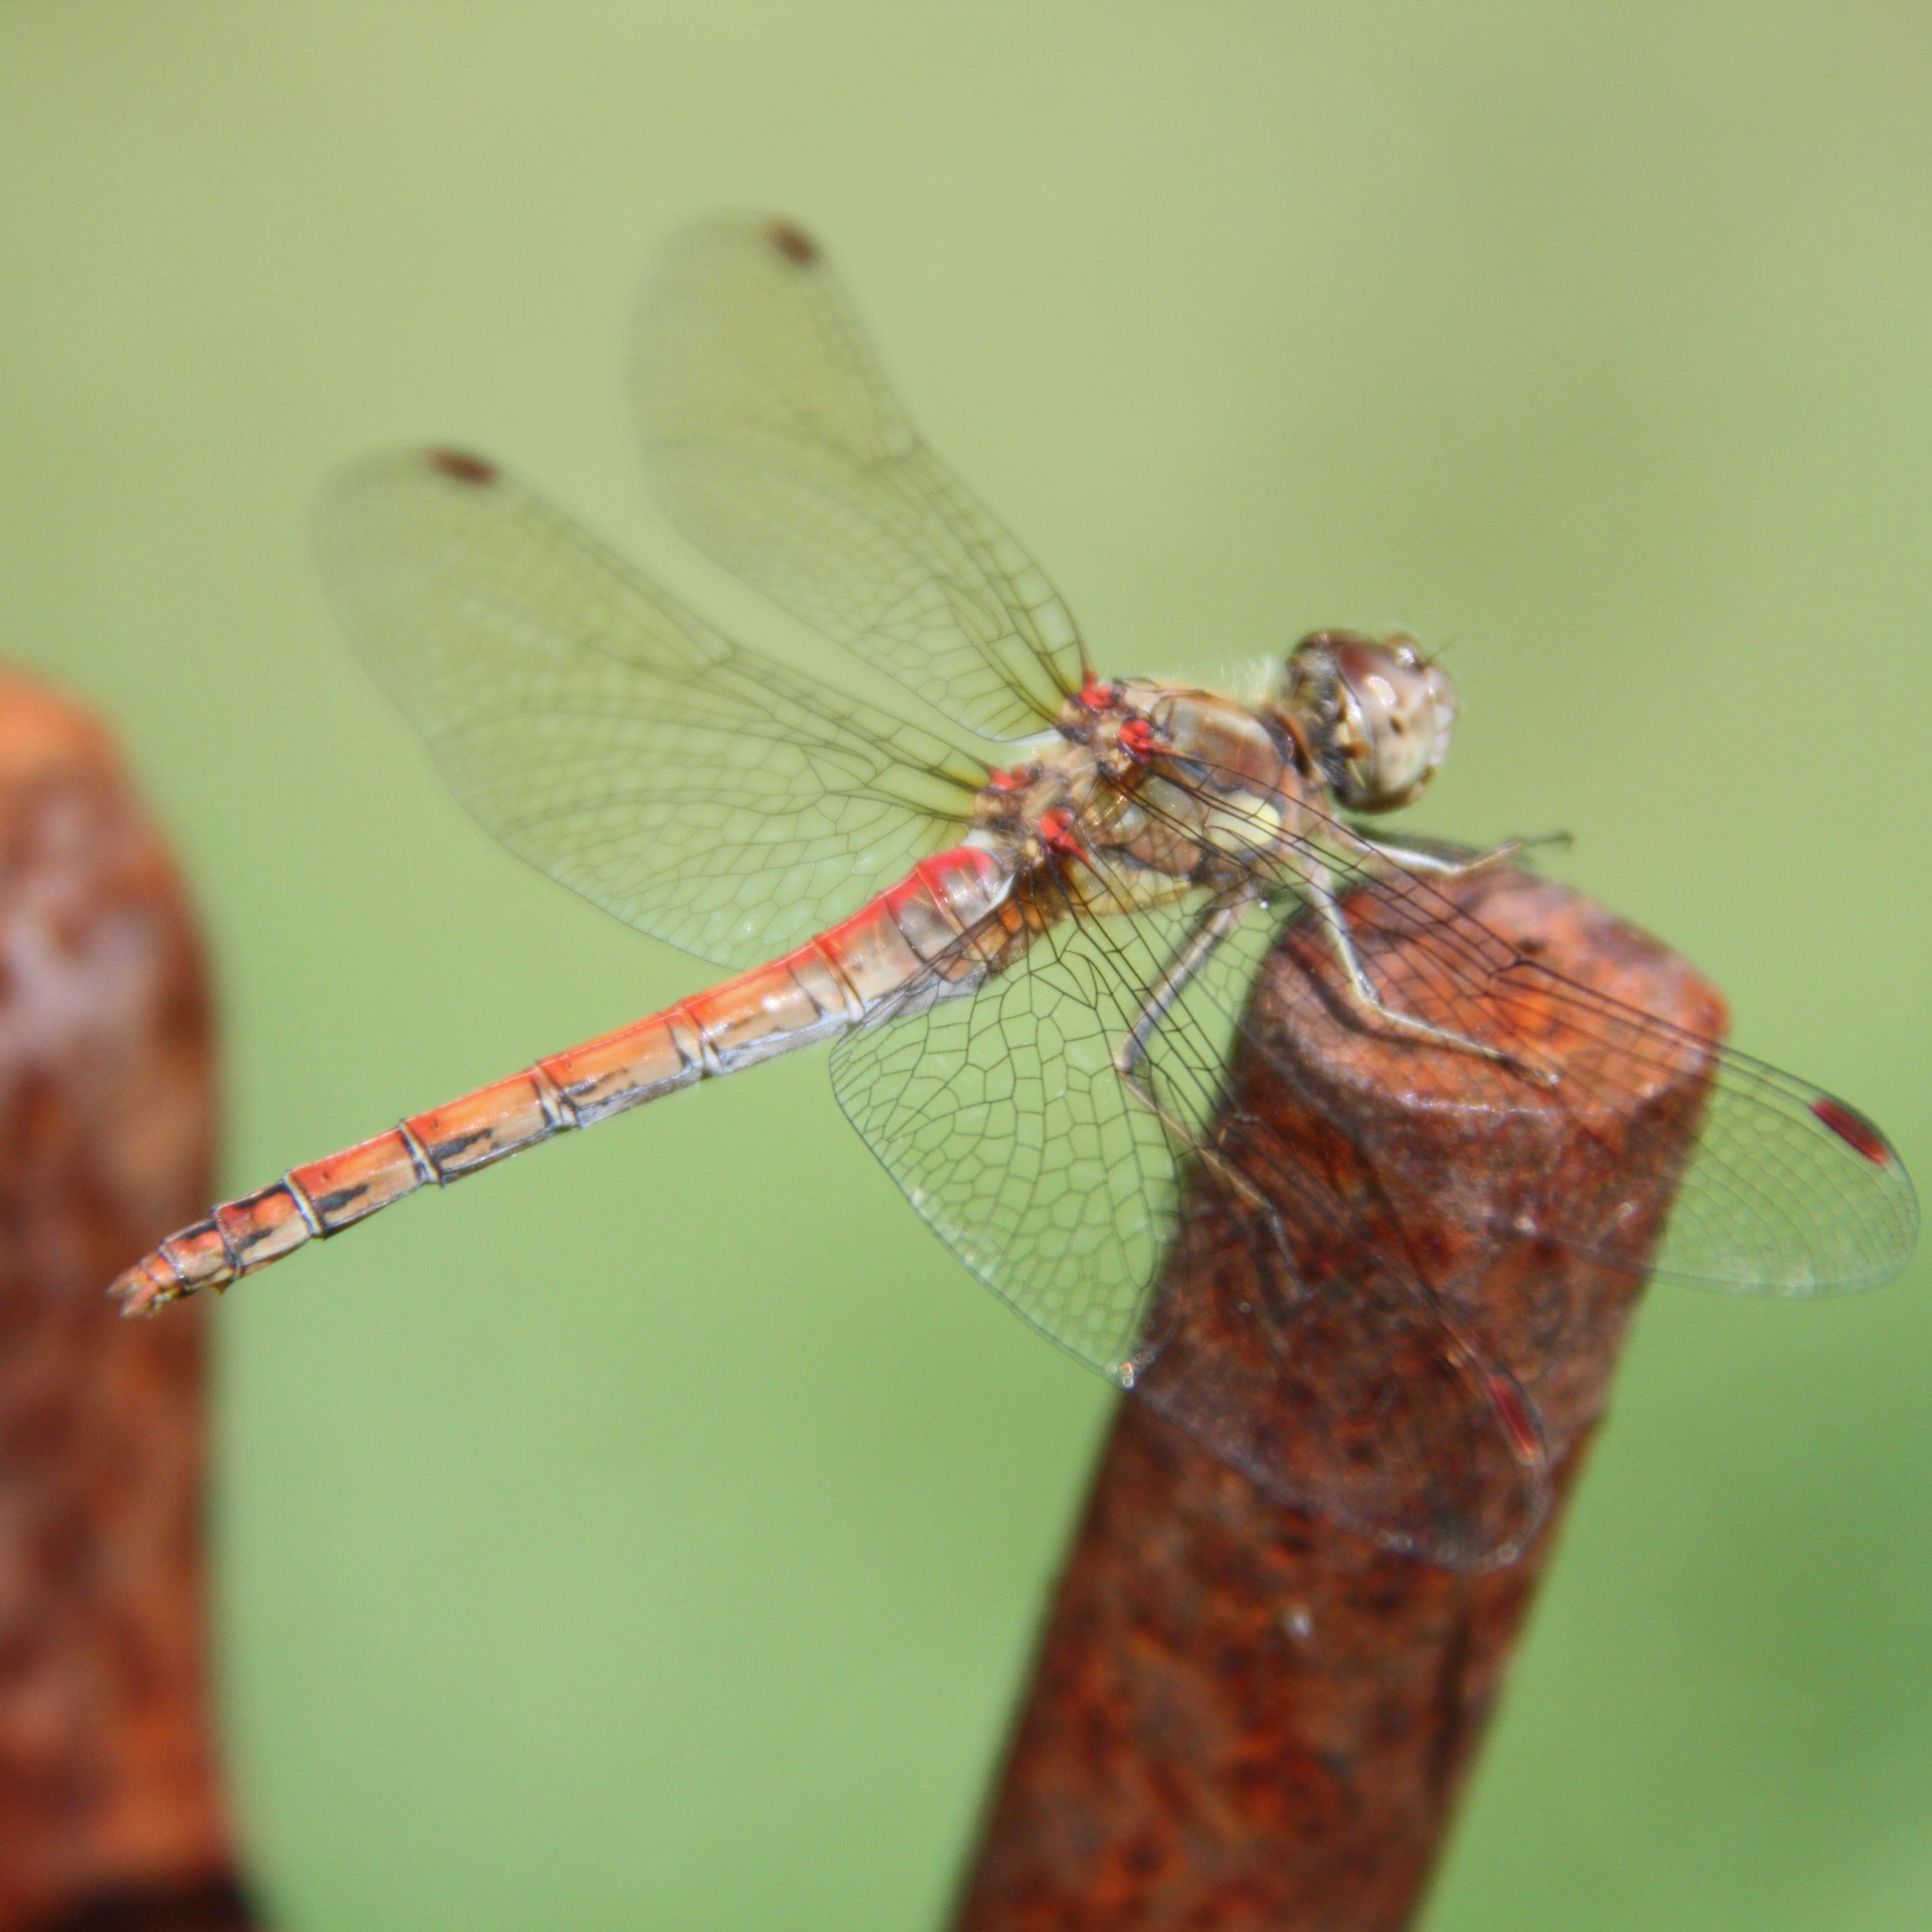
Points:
[(1375, 716)]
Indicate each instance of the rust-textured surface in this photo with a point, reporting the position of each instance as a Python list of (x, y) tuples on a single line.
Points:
[(1246, 1720), (110, 1820)]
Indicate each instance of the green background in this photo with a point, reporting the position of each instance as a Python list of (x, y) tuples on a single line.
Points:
[(651, 1535)]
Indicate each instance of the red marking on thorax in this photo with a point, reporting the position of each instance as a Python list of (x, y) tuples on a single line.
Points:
[(1014, 779), (1138, 740), (1853, 1128), (1094, 695), (1058, 835)]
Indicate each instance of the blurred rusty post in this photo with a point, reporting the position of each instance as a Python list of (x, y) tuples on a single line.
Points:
[(110, 1814), (1245, 1720)]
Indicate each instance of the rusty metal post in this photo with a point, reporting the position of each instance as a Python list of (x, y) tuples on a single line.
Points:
[(110, 1814), (1246, 1720)]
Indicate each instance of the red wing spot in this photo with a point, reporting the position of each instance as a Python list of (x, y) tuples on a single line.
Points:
[(1853, 1128), (1518, 1425), (460, 466), (793, 244)]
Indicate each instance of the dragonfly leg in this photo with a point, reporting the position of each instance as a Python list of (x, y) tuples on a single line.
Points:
[(1413, 859), (1361, 989), (1217, 924)]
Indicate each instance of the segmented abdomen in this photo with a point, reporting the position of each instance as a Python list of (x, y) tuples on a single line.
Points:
[(830, 984)]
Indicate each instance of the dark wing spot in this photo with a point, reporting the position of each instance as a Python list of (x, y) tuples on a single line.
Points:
[(1853, 1128), (793, 243), (460, 466)]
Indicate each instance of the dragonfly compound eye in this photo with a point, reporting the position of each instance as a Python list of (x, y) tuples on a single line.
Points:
[(1377, 718)]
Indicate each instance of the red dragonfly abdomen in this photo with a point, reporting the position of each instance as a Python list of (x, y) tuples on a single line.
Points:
[(820, 990)]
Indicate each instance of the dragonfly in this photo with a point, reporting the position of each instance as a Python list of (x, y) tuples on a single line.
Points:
[(1026, 912)]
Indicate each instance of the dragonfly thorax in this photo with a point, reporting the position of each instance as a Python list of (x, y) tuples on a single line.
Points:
[(1144, 790)]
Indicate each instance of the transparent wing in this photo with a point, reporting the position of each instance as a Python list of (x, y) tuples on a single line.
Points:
[(775, 443), (1789, 1191), (701, 793), (1004, 1118)]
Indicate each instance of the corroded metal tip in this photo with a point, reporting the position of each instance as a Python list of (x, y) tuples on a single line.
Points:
[(1245, 1716), (111, 1806)]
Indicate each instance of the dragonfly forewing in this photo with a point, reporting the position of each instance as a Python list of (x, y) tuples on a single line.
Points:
[(702, 792), (774, 441)]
